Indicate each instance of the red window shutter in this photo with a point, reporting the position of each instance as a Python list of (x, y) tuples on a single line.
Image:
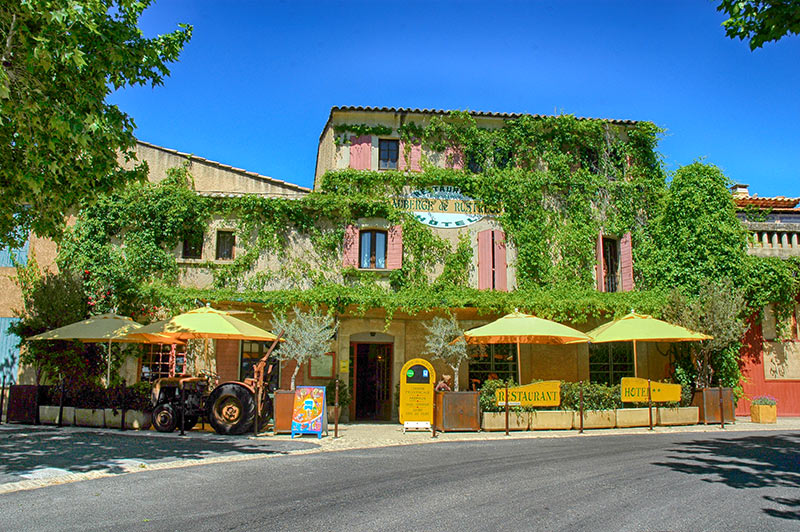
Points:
[(361, 152), (453, 158), (485, 257), (599, 268), (350, 247), (500, 276), (394, 248), (626, 262), (414, 157)]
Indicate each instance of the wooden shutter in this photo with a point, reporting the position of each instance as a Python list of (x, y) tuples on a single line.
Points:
[(394, 248), (485, 258), (626, 262), (500, 267), (350, 247), (414, 157), (361, 152), (601, 278)]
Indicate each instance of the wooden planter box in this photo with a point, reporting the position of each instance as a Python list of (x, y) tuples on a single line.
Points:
[(134, 419), (283, 404), (496, 421), (48, 415), (457, 411), (88, 417), (763, 413), (685, 415), (551, 419), (635, 417), (707, 400), (595, 419)]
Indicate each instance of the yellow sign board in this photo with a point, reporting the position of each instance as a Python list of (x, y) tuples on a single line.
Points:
[(416, 391), (546, 393), (634, 390)]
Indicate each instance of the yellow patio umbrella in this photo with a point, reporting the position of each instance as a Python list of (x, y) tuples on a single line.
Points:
[(100, 329), (642, 328), (518, 328)]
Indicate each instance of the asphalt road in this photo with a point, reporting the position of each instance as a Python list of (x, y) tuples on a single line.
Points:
[(663, 482)]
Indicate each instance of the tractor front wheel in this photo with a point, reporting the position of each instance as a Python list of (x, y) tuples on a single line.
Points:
[(164, 418), (232, 409)]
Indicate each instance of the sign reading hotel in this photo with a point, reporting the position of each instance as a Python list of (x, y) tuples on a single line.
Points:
[(634, 390), (546, 393), (443, 207), (416, 392)]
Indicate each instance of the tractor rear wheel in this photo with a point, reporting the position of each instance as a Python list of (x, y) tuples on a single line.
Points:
[(164, 418), (232, 409)]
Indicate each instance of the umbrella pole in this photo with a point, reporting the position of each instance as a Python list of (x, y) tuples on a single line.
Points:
[(519, 366), (635, 362), (108, 366)]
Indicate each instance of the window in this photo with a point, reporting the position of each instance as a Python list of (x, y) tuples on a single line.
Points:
[(225, 243), (387, 154), (252, 352), (495, 361), (610, 264), (163, 361), (372, 249), (608, 363), (193, 245)]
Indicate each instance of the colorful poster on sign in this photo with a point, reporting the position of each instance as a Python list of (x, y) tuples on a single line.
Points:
[(308, 414), (416, 391), (546, 393), (634, 390)]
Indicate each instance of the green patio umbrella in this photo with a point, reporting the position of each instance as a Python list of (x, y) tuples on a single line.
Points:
[(642, 328)]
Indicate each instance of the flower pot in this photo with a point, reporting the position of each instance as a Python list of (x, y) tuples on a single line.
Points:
[(493, 421), (113, 418), (595, 419), (685, 415), (551, 420), (707, 400), (282, 405), (634, 417), (138, 420), (48, 415), (763, 413), (89, 417)]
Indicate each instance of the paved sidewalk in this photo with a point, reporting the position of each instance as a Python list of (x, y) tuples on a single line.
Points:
[(33, 457)]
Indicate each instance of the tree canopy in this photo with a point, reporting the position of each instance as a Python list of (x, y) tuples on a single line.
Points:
[(61, 143), (760, 21)]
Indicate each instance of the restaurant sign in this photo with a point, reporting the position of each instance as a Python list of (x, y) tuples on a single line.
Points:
[(416, 392), (634, 390), (443, 207), (545, 393)]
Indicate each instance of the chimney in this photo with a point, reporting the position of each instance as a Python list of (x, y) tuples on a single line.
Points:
[(740, 191)]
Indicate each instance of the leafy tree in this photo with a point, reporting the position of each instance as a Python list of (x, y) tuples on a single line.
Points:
[(439, 343), (760, 21), (308, 335), (60, 142), (696, 235)]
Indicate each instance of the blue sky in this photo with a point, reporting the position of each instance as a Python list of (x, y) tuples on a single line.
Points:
[(255, 85)]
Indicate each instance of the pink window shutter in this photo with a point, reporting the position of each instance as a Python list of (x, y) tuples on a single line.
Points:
[(350, 247), (360, 152), (485, 257), (626, 262), (500, 267), (601, 278), (394, 248), (414, 156), (453, 158)]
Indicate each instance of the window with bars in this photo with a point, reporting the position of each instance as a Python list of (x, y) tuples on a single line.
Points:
[(388, 151), (161, 361), (609, 362), (372, 249), (493, 361), (611, 264)]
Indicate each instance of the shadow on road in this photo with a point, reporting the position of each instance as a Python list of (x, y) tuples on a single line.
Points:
[(25, 449), (747, 462)]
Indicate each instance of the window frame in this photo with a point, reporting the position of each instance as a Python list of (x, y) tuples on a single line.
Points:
[(373, 259), (608, 365), (245, 347), (232, 234), (381, 143), (504, 369), (612, 281)]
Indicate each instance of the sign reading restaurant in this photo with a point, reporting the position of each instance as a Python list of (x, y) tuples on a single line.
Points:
[(443, 207)]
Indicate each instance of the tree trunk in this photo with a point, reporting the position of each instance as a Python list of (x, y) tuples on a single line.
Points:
[(455, 377), (294, 375)]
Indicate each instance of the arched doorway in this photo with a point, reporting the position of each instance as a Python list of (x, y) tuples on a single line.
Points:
[(371, 357)]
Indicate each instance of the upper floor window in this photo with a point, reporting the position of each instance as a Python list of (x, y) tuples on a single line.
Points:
[(225, 243), (193, 245), (372, 249), (388, 151), (610, 264), (614, 267)]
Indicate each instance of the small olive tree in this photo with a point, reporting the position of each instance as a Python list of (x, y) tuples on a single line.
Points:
[(439, 343), (308, 335)]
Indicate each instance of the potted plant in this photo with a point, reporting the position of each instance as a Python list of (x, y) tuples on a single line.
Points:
[(308, 335), (344, 401), (493, 417), (764, 409), (454, 410)]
